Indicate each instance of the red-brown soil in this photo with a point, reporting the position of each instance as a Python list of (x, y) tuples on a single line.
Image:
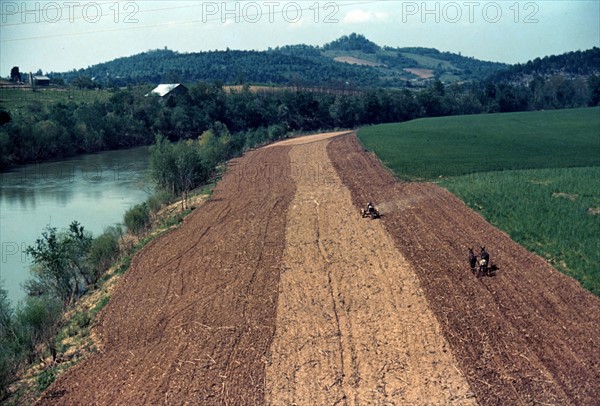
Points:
[(422, 73), (194, 317), (529, 334), (277, 292)]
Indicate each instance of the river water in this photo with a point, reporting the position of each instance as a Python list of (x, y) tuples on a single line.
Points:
[(95, 190)]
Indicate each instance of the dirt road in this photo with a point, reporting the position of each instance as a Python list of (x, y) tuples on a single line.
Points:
[(277, 292)]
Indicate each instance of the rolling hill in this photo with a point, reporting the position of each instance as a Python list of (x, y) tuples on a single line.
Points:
[(570, 65), (348, 62)]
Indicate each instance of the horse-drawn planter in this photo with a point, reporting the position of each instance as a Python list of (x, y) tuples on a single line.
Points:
[(370, 211)]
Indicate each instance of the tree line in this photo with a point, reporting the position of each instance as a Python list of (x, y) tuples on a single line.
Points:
[(570, 64), (128, 118)]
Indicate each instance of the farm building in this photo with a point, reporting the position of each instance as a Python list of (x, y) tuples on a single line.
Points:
[(40, 80), (166, 90)]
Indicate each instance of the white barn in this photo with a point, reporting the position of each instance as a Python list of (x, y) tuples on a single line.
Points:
[(165, 90)]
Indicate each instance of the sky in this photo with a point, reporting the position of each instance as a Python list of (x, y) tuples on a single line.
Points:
[(57, 36)]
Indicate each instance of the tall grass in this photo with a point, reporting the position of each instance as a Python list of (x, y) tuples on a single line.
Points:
[(452, 146), (552, 212)]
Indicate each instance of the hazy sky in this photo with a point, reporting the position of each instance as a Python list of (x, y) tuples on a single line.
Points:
[(71, 34)]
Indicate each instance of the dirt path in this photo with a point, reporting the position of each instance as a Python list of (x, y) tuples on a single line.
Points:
[(529, 335), (352, 324)]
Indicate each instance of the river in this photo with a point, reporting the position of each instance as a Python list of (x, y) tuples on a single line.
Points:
[(94, 189)]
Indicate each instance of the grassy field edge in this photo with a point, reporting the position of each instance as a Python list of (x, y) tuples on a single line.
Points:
[(554, 213)]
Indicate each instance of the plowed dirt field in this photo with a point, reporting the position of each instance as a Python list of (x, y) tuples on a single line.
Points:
[(352, 325), (529, 334), (277, 292)]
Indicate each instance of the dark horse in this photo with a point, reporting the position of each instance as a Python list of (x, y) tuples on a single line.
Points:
[(484, 262), (472, 260)]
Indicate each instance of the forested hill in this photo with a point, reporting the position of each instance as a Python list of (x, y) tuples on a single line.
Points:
[(348, 62), (570, 65)]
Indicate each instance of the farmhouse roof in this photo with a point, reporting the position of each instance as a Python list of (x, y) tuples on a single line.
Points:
[(41, 77), (164, 89)]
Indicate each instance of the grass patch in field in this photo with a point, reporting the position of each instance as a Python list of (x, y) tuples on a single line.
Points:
[(428, 61), (17, 99), (459, 145), (545, 210)]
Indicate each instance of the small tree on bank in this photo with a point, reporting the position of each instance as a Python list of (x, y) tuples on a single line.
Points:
[(179, 167), (60, 267)]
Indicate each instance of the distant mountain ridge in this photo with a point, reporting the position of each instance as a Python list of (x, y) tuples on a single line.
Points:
[(350, 62), (570, 64)]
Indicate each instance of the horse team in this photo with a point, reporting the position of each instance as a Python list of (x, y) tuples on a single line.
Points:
[(481, 267)]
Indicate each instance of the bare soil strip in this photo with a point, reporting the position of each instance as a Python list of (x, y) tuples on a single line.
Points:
[(306, 139), (353, 326), (193, 319), (356, 61), (528, 335), (422, 73)]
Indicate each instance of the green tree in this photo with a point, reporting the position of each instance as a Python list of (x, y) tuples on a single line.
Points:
[(84, 82), (137, 218), (78, 243), (51, 138), (9, 358), (431, 103), (594, 85), (60, 267), (162, 165), (39, 320), (103, 251), (213, 145), (15, 75), (190, 170)]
